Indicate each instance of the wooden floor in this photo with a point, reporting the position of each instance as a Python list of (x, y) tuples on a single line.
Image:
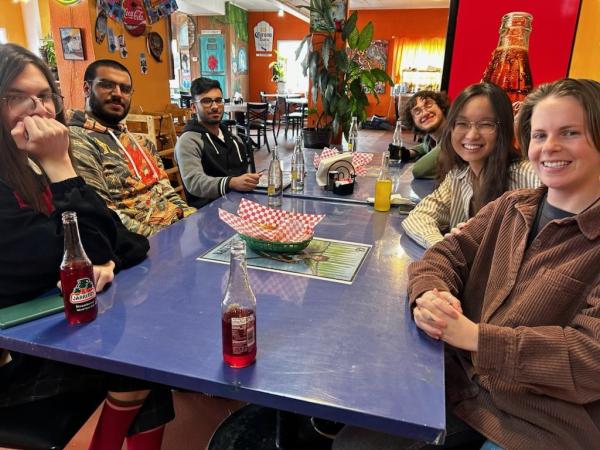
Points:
[(197, 416)]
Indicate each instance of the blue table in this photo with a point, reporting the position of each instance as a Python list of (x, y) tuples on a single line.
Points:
[(349, 353), (402, 183)]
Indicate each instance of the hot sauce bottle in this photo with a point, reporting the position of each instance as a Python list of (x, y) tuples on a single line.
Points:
[(76, 275), (238, 312)]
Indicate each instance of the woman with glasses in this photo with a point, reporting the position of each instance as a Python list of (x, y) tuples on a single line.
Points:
[(37, 184), (477, 163)]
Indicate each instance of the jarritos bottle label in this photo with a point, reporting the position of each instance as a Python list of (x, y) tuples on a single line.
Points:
[(83, 294), (242, 334)]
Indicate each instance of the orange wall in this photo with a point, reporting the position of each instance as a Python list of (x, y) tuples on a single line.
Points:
[(287, 27), (151, 90), (400, 23), (587, 41), (12, 19)]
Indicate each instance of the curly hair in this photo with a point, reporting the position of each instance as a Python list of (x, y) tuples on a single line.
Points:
[(495, 173), (440, 99), (586, 92)]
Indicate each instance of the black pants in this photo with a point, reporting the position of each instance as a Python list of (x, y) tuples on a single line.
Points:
[(27, 378)]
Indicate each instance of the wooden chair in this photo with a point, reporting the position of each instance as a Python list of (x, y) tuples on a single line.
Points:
[(180, 116)]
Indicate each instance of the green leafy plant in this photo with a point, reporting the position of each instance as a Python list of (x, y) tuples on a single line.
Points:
[(332, 64), (278, 68), (47, 50)]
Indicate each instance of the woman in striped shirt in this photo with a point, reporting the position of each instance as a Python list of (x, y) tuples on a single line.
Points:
[(478, 162)]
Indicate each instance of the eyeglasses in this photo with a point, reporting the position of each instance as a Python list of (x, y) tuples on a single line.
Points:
[(418, 110), (482, 127), (110, 86), (27, 104), (207, 101)]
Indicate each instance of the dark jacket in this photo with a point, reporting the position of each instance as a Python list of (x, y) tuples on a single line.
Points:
[(32, 242), (207, 163)]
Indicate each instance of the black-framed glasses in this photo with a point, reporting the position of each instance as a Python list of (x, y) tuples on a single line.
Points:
[(207, 101), (26, 104), (482, 126), (110, 86)]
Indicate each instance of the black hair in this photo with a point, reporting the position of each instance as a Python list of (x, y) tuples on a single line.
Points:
[(203, 84), (90, 72), (440, 99)]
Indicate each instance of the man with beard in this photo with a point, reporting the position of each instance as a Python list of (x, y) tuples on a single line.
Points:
[(125, 170), (425, 112), (211, 160)]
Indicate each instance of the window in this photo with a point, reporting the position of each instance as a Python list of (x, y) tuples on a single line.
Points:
[(295, 81), (3, 39)]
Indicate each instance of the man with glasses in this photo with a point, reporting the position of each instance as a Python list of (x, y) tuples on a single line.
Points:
[(125, 170), (425, 112), (211, 160)]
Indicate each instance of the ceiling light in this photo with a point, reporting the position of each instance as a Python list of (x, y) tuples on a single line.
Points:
[(280, 12)]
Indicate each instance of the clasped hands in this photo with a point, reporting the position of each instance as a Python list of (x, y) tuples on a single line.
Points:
[(440, 316)]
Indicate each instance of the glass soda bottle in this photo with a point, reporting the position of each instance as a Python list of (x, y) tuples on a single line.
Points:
[(275, 182), (238, 312), (383, 185), (298, 166), (76, 275), (353, 136), (509, 65)]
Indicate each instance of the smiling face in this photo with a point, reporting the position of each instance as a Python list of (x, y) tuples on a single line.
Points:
[(30, 82), (107, 100), (562, 152), (474, 145), (427, 115)]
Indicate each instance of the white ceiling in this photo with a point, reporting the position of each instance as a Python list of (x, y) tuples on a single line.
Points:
[(210, 7)]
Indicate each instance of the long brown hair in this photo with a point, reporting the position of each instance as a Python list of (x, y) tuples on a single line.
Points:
[(586, 92), (14, 167), (494, 176)]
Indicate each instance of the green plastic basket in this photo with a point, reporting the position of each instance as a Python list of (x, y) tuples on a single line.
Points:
[(274, 247)]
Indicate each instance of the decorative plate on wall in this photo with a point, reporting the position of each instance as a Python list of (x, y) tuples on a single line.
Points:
[(191, 26), (155, 45), (101, 27)]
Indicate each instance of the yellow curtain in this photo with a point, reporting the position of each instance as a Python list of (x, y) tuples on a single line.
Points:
[(417, 54)]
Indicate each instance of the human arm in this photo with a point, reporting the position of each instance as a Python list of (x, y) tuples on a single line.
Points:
[(245, 182), (430, 217), (426, 166), (188, 152)]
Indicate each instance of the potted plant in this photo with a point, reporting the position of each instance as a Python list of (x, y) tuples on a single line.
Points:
[(278, 72), (333, 67), (48, 54)]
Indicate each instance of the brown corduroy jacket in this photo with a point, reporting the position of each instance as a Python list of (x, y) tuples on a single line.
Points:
[(535, 380)]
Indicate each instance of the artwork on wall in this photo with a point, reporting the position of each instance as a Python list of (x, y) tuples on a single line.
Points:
[(157, 9), (374, 57), (473, 37), (242, 60), (134, 19), (263, 37), (72, 44), (155, 45), (101, 27)]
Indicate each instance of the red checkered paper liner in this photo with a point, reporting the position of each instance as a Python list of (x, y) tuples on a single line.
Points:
[(260, 222), (359, 160)]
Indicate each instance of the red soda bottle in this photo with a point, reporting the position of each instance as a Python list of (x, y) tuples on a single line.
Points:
[(76, 275), (238, 312)]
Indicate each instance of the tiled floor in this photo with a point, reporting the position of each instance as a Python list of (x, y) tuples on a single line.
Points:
[(197, 415)]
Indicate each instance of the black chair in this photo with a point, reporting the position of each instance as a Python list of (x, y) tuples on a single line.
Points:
[(294, 116), (257, 122), (274, 113), (230, 123), (46, 424)]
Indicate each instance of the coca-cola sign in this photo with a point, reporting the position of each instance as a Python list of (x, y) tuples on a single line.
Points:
[(134, 18)]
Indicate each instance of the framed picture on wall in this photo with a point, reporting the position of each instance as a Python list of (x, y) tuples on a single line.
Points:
[(473, 40), (72, 44)]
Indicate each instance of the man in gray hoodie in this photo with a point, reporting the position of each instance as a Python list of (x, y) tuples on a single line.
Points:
[(211, 160)]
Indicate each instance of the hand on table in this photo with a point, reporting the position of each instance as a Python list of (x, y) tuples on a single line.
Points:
[(440, 316), (104, 274), (245, 182)]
